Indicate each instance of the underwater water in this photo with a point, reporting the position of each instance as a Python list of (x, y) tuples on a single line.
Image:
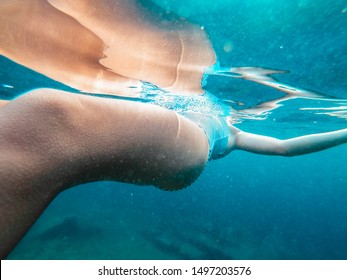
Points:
[(243, 206)]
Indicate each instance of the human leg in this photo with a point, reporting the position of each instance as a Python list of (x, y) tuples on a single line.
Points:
[(51, 140)]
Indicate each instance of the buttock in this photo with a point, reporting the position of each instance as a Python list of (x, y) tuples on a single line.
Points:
[(217, 130)]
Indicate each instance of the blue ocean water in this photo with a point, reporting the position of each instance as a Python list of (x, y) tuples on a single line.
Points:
[(244, 206)]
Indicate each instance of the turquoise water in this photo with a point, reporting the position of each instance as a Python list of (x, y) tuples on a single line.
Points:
[(243, 206)]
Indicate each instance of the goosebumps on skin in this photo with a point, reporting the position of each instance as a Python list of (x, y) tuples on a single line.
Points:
[(74, 139), (105, 47), (91, 133)]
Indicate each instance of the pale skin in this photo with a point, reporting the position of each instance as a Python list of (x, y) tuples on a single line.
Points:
[(52, 140)]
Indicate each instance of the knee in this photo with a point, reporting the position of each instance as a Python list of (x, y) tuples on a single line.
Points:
[(35, 118)]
